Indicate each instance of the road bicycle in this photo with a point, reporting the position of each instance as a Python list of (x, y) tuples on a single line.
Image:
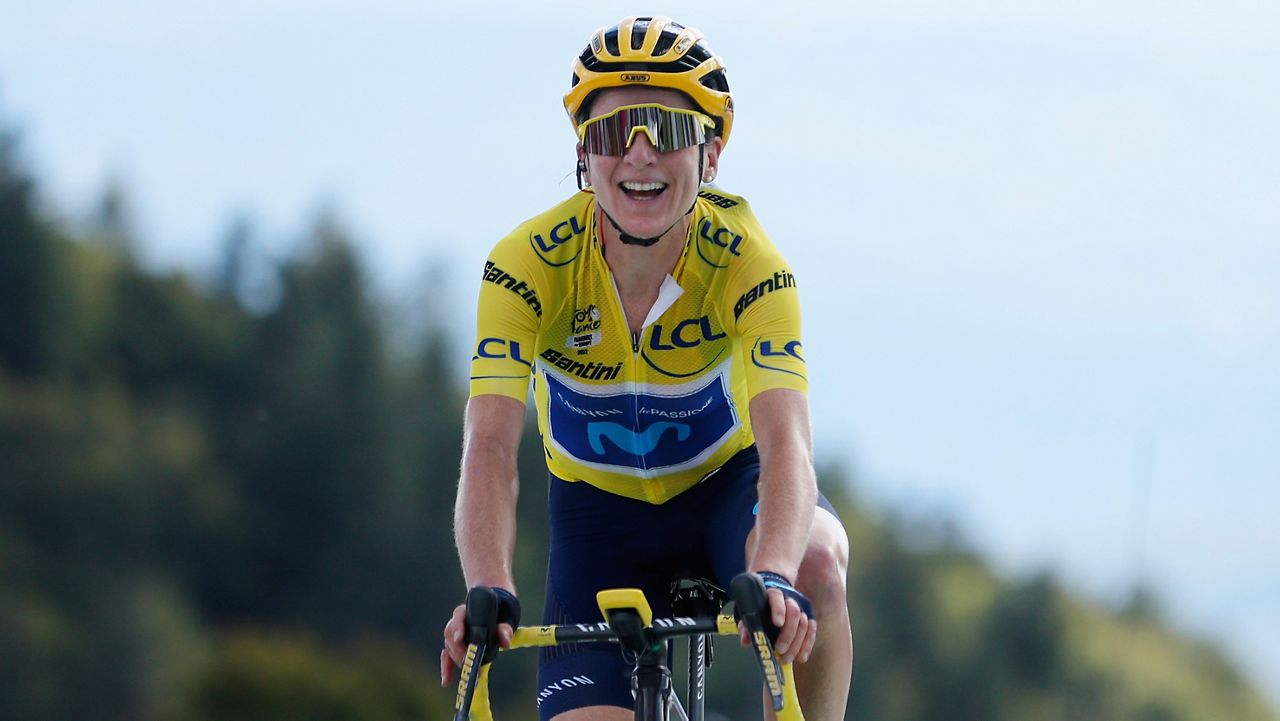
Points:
[(629, 622)]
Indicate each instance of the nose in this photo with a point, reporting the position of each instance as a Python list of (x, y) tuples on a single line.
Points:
[(642, 150)]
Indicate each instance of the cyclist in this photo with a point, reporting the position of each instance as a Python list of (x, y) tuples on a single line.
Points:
[(661, 330)]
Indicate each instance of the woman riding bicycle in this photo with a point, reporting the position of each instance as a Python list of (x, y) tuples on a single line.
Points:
[(661, 330)]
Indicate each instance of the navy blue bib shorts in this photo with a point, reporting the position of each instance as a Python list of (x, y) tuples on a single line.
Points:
[(602, 540)]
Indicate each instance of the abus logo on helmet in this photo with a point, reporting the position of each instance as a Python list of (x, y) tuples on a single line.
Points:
[(634, 77)]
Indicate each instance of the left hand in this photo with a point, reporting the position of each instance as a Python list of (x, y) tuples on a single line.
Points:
[(796, 631)]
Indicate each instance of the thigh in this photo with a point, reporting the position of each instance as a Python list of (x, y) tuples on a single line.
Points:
[(598, 541), (732, 514), (597, 713), (732, 522)]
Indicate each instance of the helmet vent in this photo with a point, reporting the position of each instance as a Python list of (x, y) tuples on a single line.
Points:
[(714, 80), (665, 41), (611, 43), (638, 31)]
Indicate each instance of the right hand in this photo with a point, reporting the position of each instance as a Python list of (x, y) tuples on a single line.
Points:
[(455, 636)]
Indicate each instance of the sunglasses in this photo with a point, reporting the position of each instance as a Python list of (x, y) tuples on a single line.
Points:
[(667, 128)]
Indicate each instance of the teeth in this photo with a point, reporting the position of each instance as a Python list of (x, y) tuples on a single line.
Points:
[(640, 187)]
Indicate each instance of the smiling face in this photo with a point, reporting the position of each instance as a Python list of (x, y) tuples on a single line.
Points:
[(645, 191)]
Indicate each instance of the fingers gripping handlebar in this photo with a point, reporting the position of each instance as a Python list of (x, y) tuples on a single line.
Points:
[(486, 608), (748, 592), (485, 611), (482, 634)]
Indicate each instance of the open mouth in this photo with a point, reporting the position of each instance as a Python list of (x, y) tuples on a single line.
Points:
[(642, 191)]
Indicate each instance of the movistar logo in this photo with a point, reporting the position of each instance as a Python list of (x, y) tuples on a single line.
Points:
[(638, 433), (625, 439)]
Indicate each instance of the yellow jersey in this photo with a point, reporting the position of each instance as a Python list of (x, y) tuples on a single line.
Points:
[(646, 415)]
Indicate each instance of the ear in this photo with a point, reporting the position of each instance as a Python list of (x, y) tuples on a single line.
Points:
[(581, 172), (711, 163)]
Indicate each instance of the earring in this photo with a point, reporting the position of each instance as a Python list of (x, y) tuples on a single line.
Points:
[(583, 182)]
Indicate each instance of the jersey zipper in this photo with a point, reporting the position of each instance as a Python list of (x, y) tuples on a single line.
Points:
[(632, 382)]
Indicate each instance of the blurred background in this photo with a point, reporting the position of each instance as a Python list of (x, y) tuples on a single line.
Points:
[(1038, 246)]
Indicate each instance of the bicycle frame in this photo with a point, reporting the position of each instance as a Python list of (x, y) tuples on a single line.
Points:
[(629, 621)]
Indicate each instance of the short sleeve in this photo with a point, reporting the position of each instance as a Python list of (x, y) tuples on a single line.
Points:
[(507, 322), (766, 313)]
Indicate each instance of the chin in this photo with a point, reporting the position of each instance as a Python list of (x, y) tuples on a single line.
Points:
[(645, 223), (646, 227)]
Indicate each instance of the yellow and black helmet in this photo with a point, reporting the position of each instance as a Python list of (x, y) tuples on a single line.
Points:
[(656, 52)]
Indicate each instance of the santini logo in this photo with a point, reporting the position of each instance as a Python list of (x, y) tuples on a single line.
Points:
[(497, 276), (587, 371), (781, 279)]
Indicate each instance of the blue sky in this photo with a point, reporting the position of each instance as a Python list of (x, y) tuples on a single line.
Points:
[(1038, 246)]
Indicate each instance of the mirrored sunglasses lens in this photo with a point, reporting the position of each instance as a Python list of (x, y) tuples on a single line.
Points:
[(666, 129)]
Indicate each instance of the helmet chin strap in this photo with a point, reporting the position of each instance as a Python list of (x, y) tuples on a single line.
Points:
[(629, 239)]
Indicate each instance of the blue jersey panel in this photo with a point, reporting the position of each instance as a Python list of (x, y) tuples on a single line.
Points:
[(639, 431)]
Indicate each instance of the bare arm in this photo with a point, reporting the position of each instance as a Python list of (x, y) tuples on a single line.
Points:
[(788, 486), (484, 519), (485, 515), (788, 494)]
